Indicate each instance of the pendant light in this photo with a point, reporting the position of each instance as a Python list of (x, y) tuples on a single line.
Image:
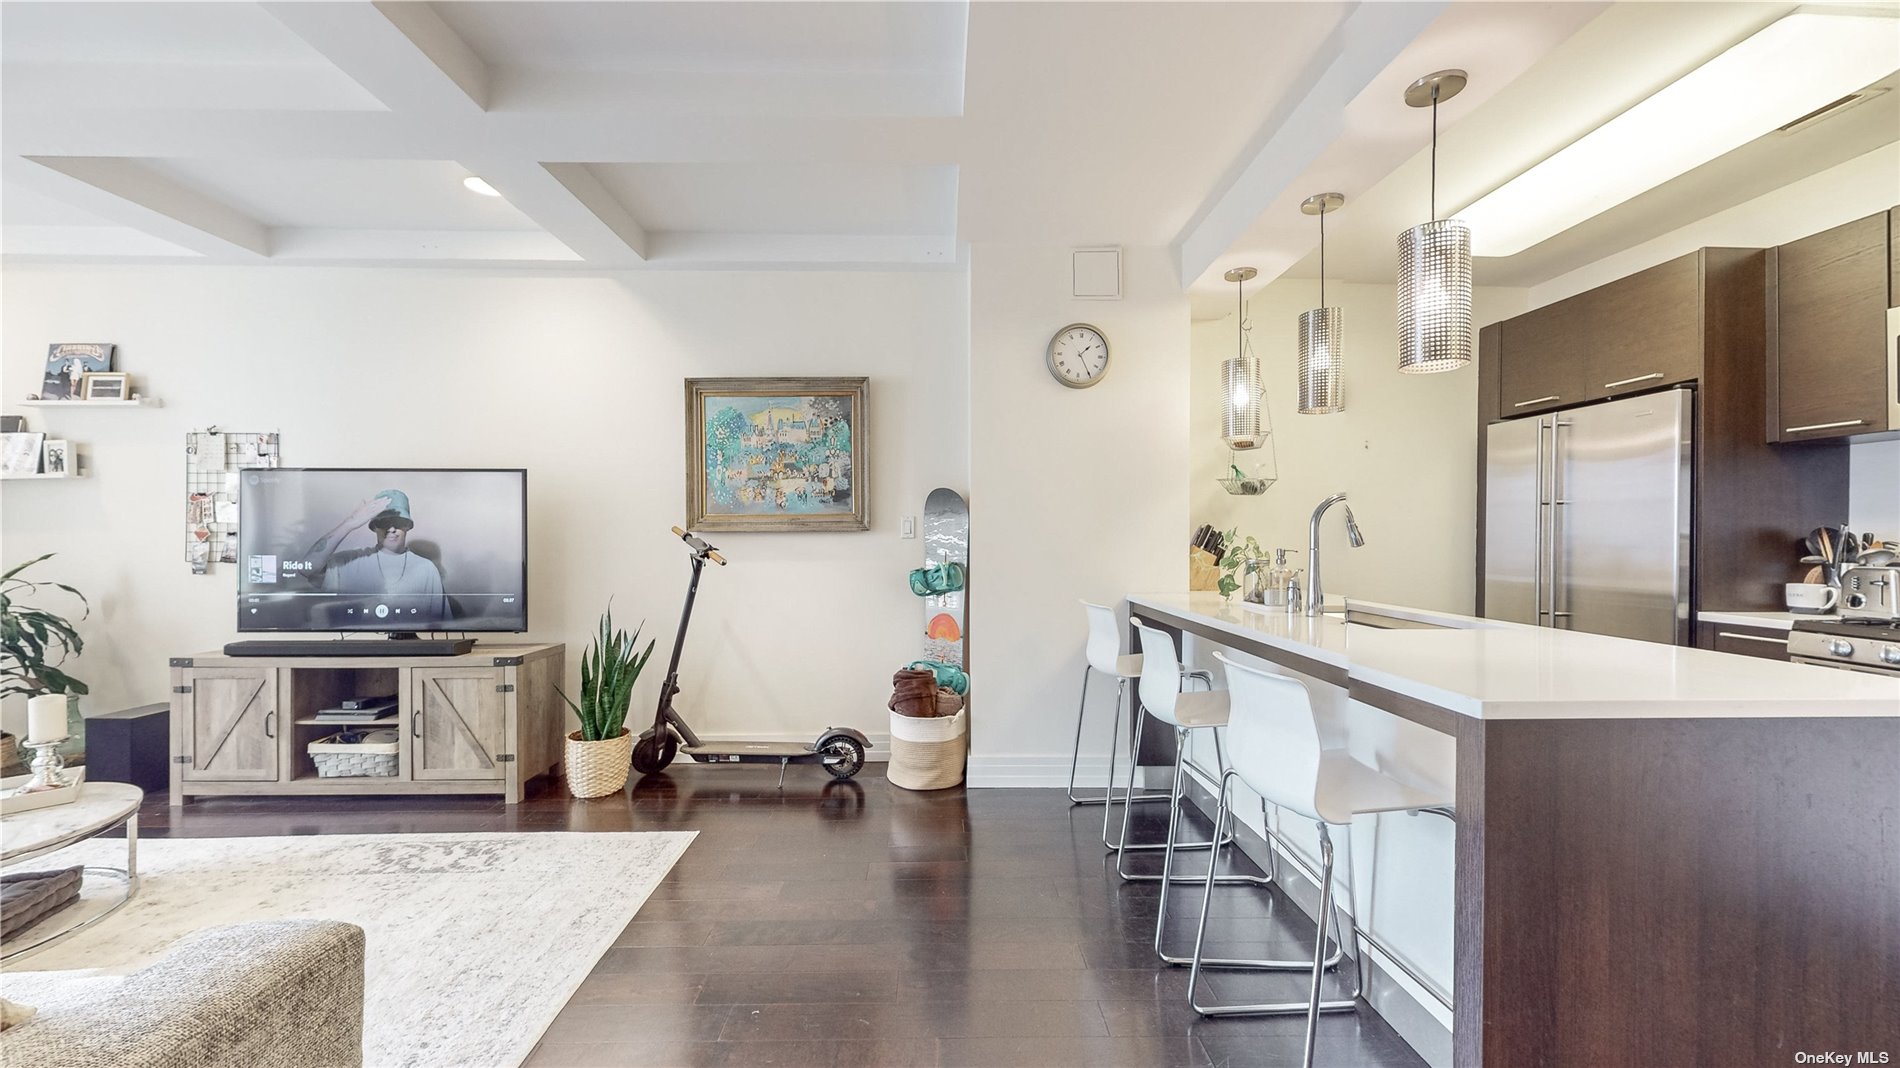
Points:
[(1244, 422), (1322, 363), (1435, 263)]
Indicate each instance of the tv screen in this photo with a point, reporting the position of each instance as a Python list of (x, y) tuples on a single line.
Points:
[(333, 549)]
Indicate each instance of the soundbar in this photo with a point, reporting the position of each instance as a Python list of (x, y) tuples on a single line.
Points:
[(354, 647)]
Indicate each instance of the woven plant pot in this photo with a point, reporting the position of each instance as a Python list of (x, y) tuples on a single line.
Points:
[(928, 754), (596, 769)]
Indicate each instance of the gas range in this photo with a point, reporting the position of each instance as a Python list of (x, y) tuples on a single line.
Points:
[(1855, 644)]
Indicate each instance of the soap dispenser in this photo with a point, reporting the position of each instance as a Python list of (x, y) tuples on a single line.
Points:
[(1278, 577)]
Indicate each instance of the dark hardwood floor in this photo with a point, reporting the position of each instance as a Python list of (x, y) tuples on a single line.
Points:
[(859, 924)]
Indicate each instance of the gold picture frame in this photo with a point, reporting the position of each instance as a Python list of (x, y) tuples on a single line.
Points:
[(777, 454), (106, 385)]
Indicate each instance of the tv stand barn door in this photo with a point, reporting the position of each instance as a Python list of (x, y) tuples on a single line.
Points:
[(484, 722), (228, 719), (456, 723)]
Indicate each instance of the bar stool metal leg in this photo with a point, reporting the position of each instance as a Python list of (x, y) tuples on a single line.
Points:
[(1313, 1005), (1114, 747), (1170, 846)]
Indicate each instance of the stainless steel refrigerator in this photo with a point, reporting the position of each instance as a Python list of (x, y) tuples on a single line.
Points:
[(1587, 518)]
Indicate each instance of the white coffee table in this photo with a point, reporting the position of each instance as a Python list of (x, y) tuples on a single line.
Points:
[(26, 836)]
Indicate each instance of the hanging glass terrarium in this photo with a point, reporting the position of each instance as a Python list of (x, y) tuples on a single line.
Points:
[(1245, 424)]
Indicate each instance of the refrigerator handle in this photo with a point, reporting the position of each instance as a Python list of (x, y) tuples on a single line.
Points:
[(1558, 502), (1538, 520)]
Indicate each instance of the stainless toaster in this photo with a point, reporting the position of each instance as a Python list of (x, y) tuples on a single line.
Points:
[(1870, 593)]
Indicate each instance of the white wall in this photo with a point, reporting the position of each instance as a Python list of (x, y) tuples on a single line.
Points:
[(1852, 190), (1404, 449), (1075, 493), (576, 377)]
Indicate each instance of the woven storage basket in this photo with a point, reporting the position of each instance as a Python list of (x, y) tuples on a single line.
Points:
[(336, 759), (596, 769), (928, 754)]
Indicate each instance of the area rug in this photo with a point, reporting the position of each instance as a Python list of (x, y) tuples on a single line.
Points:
[(474, 941)]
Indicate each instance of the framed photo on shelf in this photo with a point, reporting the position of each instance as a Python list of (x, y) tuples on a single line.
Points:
[(20, 454), (56, 457), (777, 454), (108, 385), (67, 365)]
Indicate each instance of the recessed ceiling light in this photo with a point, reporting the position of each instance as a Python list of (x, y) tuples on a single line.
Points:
[(1805, 61), (476, 185)]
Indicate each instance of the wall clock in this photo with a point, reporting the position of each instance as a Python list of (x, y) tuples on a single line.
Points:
[(1078, 356)]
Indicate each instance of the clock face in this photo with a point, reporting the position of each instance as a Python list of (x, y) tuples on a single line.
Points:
[(1078, 356)]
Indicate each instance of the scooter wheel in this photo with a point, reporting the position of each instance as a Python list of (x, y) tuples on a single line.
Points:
[(849, 757), (652, 754)]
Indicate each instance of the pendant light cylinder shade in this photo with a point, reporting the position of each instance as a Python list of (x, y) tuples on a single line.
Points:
[(1435, 297), (1240, 403), (1322, 386)]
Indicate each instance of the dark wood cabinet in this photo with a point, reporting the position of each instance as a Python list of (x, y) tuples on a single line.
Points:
[(1828, 368), (1634, 334), (1767, 643), (1540, 361), (1643, 331), (1893, 258)]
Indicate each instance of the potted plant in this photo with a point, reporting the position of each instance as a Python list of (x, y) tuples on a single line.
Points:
[(600, 754), (33, 643), (1234, 561)]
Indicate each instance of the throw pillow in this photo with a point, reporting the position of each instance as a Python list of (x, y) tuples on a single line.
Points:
[(28, 897)]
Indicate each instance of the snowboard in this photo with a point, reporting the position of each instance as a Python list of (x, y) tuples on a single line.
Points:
[(946, 539)]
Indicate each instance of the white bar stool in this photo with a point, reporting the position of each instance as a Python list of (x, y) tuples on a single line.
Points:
[(1104, 655), (1278, 755), (1162, 697)]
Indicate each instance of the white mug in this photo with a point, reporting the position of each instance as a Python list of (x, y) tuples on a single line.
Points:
[(1811, 596)]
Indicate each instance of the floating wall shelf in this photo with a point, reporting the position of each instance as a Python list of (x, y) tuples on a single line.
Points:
[(142, 402), (16, 478)]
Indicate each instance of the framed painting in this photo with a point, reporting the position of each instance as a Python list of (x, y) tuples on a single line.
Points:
[(777, 454)]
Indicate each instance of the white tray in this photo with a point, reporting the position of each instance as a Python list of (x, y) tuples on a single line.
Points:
[(10, 804)]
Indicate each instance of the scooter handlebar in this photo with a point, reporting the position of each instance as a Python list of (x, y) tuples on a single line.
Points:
[(699, 546)]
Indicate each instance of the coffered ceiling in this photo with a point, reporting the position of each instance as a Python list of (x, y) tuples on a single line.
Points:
[(627, 135)]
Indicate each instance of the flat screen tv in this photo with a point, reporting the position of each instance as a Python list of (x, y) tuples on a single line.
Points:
[(382, 549)]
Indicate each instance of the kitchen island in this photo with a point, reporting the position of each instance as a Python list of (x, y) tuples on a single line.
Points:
[(1663, 855)]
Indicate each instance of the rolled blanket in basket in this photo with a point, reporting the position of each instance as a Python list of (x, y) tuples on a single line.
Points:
[(949, 676), (914, 693), (949, 702)]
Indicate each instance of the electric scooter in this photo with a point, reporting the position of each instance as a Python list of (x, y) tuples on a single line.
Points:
[(840, 749)]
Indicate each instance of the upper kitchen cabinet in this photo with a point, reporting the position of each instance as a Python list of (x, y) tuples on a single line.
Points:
[(1893, 258), (1634, 334), (1830, 371)]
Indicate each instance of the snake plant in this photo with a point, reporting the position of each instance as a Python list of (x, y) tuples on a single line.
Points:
[(608, 671)]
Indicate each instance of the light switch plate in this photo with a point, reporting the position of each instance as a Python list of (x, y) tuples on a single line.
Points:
[(908, 527)]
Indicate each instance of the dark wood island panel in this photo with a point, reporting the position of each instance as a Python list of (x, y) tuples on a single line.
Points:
[(1677, 892)]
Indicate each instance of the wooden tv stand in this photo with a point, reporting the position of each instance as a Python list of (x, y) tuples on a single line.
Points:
[(484, 722)]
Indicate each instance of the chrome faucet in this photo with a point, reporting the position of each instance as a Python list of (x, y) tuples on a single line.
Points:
[(1315, 593)]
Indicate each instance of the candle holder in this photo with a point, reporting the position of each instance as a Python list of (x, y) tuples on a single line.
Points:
[(49, 768)]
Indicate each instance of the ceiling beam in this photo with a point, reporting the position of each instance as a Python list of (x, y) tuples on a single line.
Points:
[(402, 53), (1364, 44), (567, 201), (125, 192)]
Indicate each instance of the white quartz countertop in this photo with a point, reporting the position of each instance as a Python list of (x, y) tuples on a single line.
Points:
[(1489, 669)]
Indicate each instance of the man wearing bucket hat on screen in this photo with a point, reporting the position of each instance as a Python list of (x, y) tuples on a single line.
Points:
[(398, 585)]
